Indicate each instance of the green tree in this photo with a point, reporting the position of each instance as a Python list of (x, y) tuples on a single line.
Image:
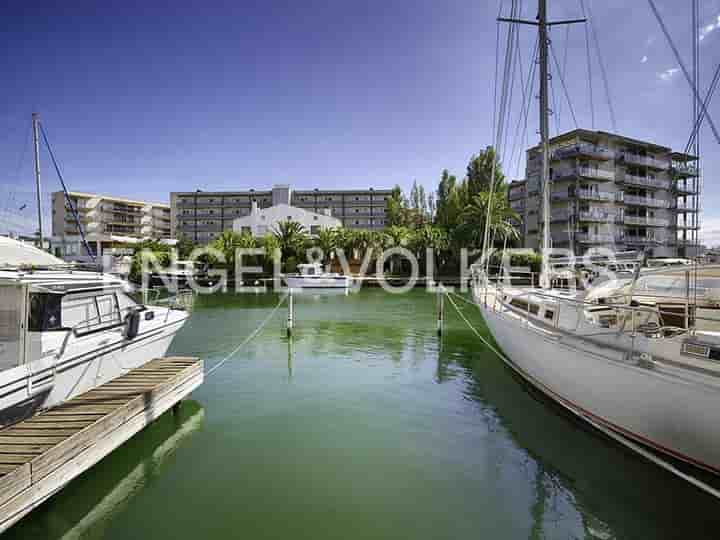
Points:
[(327, 241), (474, 216), (271, 245), (398, 237), (228, 243), (292, 238), (479, 172)]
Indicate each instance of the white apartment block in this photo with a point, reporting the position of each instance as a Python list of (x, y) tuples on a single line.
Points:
[(613, 192), (111, 224)]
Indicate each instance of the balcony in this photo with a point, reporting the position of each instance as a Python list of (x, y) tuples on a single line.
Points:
[(593, 172), (561, 215), (645, 201), (644, 181), (598, 216), (646, 221), (592, 195), (590, 238), (684, 206), (583, 150), (643, 240), (515, 194), (644, 160), (684, 170), (685, 189)]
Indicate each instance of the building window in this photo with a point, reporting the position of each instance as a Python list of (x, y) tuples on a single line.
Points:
[(315, 218), (315, 229)]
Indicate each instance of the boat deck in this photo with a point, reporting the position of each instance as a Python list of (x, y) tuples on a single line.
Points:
[(40, 455)]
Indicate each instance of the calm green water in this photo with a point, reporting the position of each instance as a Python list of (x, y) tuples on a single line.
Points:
[(365, 426)]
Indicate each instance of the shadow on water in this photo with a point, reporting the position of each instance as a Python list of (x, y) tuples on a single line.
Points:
[(616, 493), (88, 504)]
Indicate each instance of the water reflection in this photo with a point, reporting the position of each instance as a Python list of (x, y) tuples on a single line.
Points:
[(86, 506)]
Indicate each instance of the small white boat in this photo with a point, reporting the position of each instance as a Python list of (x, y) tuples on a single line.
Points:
[(312, 276), (64, 331)]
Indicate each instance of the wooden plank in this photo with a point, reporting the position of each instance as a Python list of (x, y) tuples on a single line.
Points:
[(26, 448), (30, 440), (15, 459), (41, 490), (54, 457), (14, 483)]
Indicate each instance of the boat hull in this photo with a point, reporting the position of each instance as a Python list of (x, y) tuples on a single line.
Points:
[(306, 282), (49, 382), (645, 405)]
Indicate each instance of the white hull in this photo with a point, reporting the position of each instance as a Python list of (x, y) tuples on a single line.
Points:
[(86, 363), (657, 405), (307, 282)]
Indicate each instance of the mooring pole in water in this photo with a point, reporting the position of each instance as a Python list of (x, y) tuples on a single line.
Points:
[(290, 315), (440, 309)]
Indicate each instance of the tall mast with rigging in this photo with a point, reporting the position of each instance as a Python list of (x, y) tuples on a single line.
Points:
[(36, 147), (543, 41)]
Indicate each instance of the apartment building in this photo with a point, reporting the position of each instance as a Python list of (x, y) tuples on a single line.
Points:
[(203, 215), (611, 191), (111, 224)]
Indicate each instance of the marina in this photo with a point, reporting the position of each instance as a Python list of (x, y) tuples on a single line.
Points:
[(372, 423), (509, 336)]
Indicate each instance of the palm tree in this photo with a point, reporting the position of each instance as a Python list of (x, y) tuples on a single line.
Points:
[(398, 237), (472, 229), (229, 242), (327, 241), (271, 244), (292, 238), (428, 237)]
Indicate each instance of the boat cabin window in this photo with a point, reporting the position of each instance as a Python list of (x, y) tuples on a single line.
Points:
[(45, 312), (10, 327), (91, 312)]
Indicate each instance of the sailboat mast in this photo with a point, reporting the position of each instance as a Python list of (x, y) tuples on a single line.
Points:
[(544, 138), (36, 146)]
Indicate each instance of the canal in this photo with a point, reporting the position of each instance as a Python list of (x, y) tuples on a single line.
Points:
[(365, 425)]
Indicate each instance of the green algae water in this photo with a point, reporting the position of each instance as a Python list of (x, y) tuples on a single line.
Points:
[(364, 425)]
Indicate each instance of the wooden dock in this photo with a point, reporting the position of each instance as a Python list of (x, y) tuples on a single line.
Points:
[(40, 455)]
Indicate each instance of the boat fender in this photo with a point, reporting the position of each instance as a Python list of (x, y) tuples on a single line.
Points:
[(132, 325)]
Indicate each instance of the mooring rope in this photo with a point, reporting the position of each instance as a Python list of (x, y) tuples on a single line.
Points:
[(669, 467), (248, 339)]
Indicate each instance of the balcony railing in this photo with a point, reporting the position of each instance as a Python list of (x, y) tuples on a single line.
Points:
[(683, 169), (646, 221), (688, 206), (644, 160), (685, 188), (582, 149), (646, 182), (590, 238), (643, 240), (597, 215), (645, 201), (592, 172), (590, 194)]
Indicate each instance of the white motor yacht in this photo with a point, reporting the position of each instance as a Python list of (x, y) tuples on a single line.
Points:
[(312, 276), (64, 331)]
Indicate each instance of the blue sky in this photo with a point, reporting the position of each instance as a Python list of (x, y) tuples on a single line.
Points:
[(140, 99)]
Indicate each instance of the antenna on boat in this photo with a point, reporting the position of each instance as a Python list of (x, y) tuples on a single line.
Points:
[(36, 147), (542, 25)]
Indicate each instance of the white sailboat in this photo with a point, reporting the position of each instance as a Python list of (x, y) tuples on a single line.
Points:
[(638, 358)]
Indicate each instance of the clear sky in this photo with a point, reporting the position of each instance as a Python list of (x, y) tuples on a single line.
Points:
[(143, 98)]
